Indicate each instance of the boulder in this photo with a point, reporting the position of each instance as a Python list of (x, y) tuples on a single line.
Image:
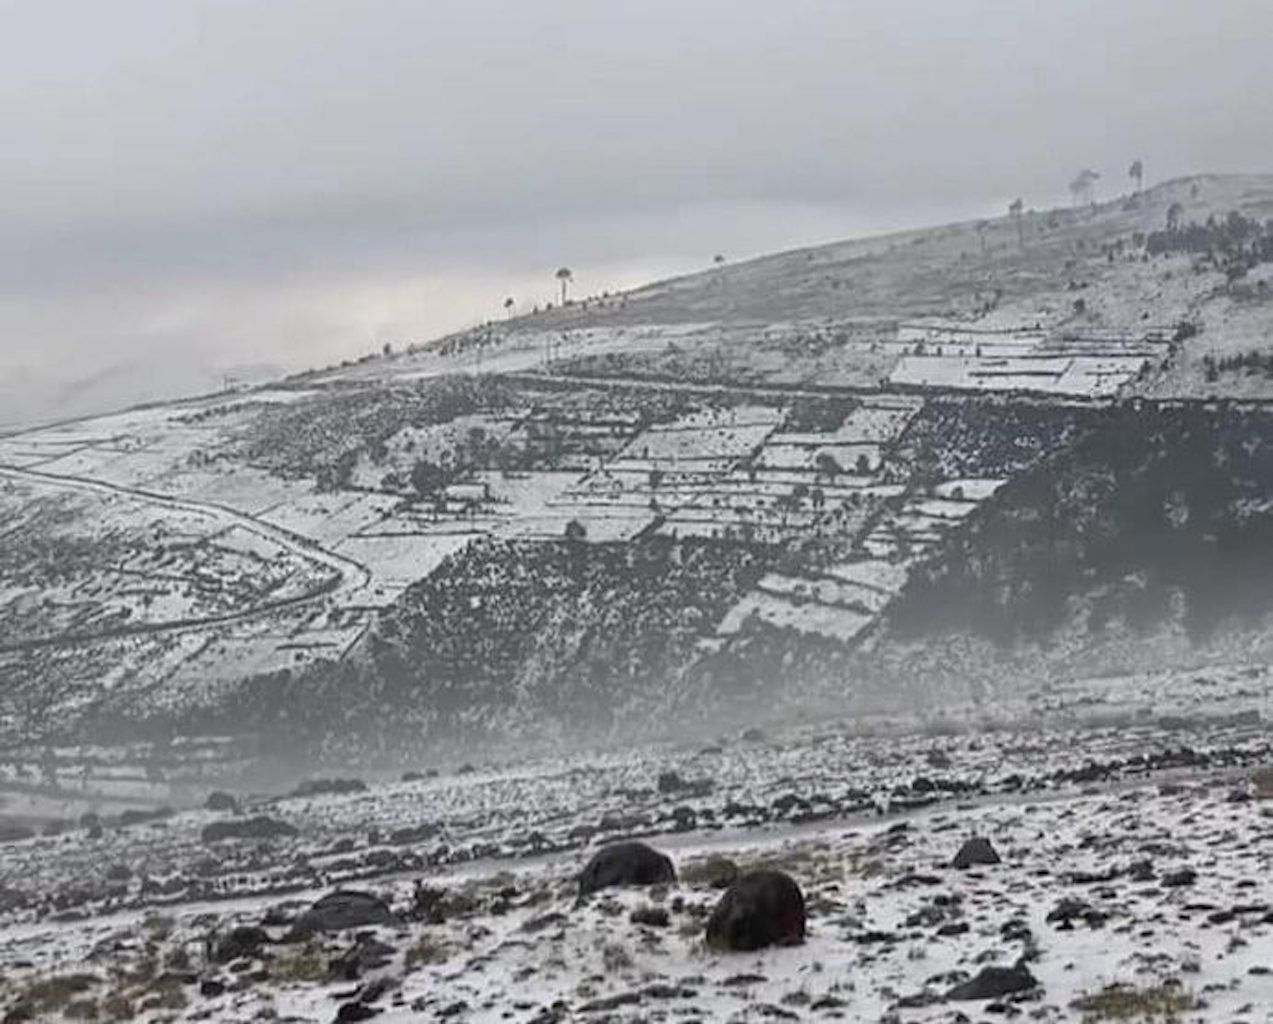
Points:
[(672, 782), (1141, 871), (238, 943), (342, 910), (221, 801), (260, 827), (630, 863), (409, 834), (1069, 910), (652, 916), (1177, 879), (352, 1013), (994, 983), (762, 908), (366, 954), (135, 816), (975, 851)]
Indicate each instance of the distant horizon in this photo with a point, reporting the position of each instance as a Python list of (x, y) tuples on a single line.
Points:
[(655, 274), (188, 188), (204, 380)]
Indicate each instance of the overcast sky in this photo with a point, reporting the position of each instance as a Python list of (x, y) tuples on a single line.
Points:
[(188, 185)]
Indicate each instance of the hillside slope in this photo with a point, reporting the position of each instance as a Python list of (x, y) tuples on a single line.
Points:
[(830, 314), (931, 271), (909, 469)]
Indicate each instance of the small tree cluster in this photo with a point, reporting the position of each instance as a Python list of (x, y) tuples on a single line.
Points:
[(1234, 244), (1247, 363)]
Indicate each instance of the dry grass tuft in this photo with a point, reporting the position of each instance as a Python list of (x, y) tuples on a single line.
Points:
[(426, 950), (305, 963), (1165, 1002)]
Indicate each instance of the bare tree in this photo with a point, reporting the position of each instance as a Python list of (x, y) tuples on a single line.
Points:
[(1081, 186), (1137, 173), (508, 306), (1016, 211), (565, 277)]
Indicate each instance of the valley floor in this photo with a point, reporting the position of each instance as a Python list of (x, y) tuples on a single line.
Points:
[(1134, 877)]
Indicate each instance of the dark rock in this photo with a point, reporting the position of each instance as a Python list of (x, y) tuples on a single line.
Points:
[(542, 921), (975, 851), (1089, 773), (135, 816), (435, 905), (918, 1000), (762, 908), (873, 936), (350, 1013), (1177, 879), (1092, 877), (366, 954), (912, 879), (788, 802), (220, 801), (655, 917), (238, 943), (341, 910), (1141, 871), (743, 980), (260, 827), (210, 988), (994, 983), (375, 988), (1067, 911), (672, 782), (613, 1002), (412, 834), (630, 863)]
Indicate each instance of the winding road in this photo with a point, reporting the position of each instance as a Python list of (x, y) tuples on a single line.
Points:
[(349, 576)]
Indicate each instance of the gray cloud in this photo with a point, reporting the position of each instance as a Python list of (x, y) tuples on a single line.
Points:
[(217, 178)]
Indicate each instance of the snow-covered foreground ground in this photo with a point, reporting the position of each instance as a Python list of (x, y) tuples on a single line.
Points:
[(1134, 874)]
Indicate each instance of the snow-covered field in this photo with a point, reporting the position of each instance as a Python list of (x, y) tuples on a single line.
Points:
[(1134, 871)]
